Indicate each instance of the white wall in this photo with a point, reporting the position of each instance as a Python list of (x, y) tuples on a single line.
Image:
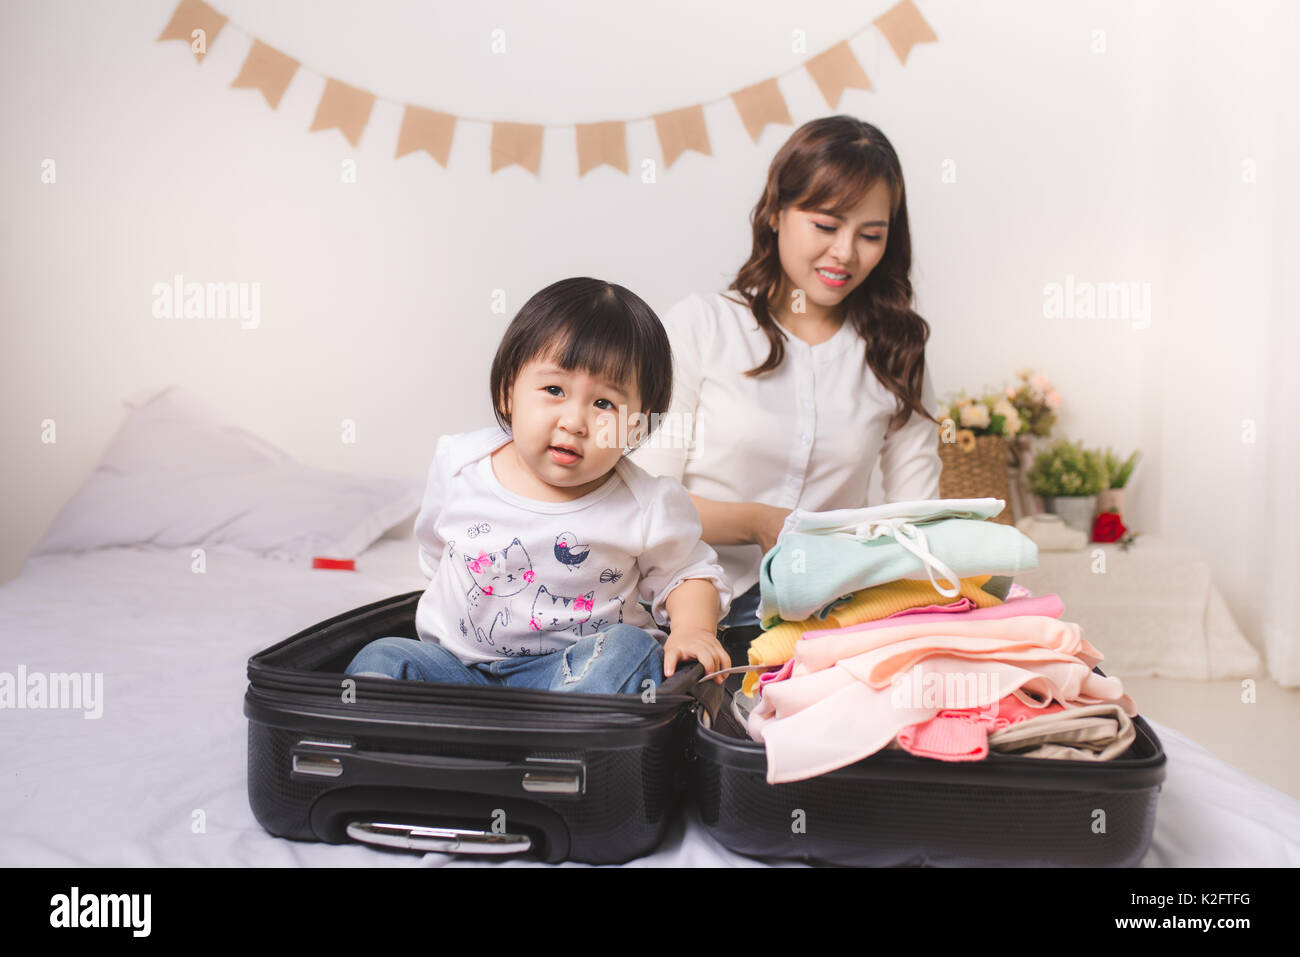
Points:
[(1115, 166)]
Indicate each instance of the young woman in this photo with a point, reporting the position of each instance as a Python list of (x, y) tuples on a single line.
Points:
[(789, 390)]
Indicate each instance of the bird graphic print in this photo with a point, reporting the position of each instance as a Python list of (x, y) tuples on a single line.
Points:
[(569, 552)]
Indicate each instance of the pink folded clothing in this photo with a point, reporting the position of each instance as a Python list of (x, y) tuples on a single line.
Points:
[(936, 684), (1045, 605), (877, 655), (946, 738), (817, 722), (1013, 709), (960, 605), (963, 734)]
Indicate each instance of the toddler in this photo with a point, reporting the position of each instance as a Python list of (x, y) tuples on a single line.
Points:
[(540, 537)]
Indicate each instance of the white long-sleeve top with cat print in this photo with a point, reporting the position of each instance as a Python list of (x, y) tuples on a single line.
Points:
[(511, 575)]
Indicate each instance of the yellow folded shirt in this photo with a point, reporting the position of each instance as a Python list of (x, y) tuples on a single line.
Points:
[(776, 645)]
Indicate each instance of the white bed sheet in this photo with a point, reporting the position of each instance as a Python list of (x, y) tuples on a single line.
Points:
[(123, 789)]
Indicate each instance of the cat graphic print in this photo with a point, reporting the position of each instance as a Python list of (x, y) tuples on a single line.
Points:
[(506, 596)]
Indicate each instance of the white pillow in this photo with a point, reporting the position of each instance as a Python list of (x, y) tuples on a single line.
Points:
[(176, 475)]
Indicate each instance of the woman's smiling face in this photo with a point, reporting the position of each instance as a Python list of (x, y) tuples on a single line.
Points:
[(829, 255)]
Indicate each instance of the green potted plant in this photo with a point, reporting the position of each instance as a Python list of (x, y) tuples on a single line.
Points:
[(1112, 499), (1069, 477)]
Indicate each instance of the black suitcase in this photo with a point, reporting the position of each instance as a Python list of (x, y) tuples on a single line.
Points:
[(894, 808), (450, 768)]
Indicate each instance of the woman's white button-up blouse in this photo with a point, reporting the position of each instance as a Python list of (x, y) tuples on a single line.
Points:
[(805, 435)]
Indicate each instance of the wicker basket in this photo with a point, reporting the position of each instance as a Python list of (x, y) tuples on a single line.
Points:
[(978, 472)]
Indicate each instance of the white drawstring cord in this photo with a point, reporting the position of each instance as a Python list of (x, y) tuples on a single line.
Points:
[(913, 539)]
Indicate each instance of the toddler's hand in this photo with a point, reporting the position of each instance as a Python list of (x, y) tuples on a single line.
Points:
[(695, 644)]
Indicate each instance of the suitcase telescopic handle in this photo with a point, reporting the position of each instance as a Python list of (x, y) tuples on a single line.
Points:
[(442, 840), (552, 777)]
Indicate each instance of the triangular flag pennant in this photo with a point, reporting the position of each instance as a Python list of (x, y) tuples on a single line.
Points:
[(516, 143), (347, 108), (682, 130), (601, 143), (191, 15), (268, 70), (426, 130), (344, 107), (835, 71), (904, 27), (759, 105)]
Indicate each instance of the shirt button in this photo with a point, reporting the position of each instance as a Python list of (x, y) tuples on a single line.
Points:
[(805, 438), (807, 403)]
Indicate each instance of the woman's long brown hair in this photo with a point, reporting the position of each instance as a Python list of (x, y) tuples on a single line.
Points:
[(830, 163)]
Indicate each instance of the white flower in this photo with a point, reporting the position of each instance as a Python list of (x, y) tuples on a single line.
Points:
[(1054, 400), (1011, 392), (1011, 423), (975, 416), (1040, 383)]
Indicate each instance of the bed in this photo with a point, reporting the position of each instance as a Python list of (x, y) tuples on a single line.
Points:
[(158, 778)]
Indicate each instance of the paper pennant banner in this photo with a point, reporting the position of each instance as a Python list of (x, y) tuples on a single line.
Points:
[(516, 143), (348, 108), (761, 104), (682, 130), (426, 130), (344, 107), (191, 15), (904, 27), (836, 70), (268, 70), (601, 143)]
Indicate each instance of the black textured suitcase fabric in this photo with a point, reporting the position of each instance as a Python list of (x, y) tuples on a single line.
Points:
[(894, 808), (439, 767)]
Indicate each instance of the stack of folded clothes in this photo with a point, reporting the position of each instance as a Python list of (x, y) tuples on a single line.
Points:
[(900, 626)]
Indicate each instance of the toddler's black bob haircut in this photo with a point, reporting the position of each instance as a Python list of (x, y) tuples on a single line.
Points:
[(590, 326)]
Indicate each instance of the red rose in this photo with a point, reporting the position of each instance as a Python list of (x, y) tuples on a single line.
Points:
[(1108, 528)]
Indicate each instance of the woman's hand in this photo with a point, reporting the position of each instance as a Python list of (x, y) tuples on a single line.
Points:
[(766, 527), (695, 644)]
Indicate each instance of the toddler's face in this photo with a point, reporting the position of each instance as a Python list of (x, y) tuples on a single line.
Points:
[(593, 418)]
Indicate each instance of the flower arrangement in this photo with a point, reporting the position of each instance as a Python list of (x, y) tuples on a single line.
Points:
[(1037, 401), (1066, 469), (1028, 408)]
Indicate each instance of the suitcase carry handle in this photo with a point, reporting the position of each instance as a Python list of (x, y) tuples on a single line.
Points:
[(428, 819), (441, 840), (555, 778)]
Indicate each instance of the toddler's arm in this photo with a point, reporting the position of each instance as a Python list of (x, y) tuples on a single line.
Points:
[(431, 545), (681, 579), (693, 609)]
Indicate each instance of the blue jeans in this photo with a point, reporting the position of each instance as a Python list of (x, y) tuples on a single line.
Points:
[(743, 611), (617, 660)]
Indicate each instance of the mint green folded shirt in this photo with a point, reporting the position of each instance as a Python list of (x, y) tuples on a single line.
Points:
[(804, 574)]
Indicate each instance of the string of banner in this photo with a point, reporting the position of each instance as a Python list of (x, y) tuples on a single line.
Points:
[(348, 108)]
